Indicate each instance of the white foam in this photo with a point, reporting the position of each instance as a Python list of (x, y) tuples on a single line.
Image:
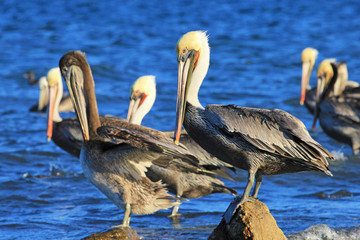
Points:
[(323, 231)]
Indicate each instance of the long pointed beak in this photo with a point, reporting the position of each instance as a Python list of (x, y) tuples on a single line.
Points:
[(133, 107), (73, 78), (184, 77), (305, 76), (52, 97)]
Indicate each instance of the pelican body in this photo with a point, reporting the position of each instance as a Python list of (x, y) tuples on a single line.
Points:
[(114, 158), (260, 141), (338, 107)]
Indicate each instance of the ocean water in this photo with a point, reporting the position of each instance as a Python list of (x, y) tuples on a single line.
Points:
[(255, 62)]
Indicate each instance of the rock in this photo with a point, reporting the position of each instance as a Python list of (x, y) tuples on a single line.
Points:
[(251, 221), (126, 233)]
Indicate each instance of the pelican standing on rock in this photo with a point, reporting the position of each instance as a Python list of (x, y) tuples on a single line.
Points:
[(113, 158), (261, 141), (338, 111)]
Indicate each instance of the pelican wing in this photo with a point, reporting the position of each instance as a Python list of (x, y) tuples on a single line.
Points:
[(348, 110), (274, 131), (146, 141)]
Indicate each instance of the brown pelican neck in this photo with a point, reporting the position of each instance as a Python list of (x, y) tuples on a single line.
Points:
[(91, 104)]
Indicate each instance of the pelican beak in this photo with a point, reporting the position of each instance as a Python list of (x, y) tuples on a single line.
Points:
[(133, 107), (52, 97), (73, 78), (185, 69), (305, 76)]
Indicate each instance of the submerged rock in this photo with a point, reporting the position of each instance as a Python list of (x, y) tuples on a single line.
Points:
[(251, 221), (126, 233)]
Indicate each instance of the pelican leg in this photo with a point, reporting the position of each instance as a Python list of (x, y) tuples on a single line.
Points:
[(238, 201), (258, 180), (126, 219), (174, 213), (127, 215)]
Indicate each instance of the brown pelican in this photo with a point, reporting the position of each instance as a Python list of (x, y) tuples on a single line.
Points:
[(338, 111), (114, 158), (308, 57), (55, 85), (179, 179), (261, 141)]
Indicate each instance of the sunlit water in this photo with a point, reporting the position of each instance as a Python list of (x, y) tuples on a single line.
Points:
[(255, 61)]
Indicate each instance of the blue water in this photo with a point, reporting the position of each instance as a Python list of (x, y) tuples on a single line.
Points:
[(255, 62)]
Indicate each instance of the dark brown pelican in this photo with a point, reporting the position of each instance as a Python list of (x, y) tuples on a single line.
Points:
[(114, 158), (179, 179), (261, 141), (308, 58), (54, 83), (338, 111)]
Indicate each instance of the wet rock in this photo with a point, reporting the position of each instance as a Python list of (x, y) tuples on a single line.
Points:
[(251, 221), (126, 233)]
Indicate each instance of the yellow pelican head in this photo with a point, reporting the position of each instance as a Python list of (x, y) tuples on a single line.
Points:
[(308, 57), (193, 56), (142, 98), (327, 78)]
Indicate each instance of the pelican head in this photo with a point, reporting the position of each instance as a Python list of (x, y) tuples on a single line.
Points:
[(327, 75), (308, 57), (44, 93), (193, 56), (325, 72), (142, 98), (54, 83), (71, 67)]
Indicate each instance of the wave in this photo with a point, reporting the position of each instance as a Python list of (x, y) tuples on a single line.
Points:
[(324, 232)]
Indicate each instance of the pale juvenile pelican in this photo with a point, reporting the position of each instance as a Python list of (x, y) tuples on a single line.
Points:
[(64, 104), (114, 158), (179, 179), (261, 141), (308, 58), (338, 111)]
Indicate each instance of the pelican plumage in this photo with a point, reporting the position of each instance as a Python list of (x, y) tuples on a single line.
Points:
[(114, 158), (261, 141), (308, 58), (337, 108), (179, 180)]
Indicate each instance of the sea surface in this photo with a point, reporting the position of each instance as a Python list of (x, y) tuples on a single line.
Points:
[(255, 62)]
